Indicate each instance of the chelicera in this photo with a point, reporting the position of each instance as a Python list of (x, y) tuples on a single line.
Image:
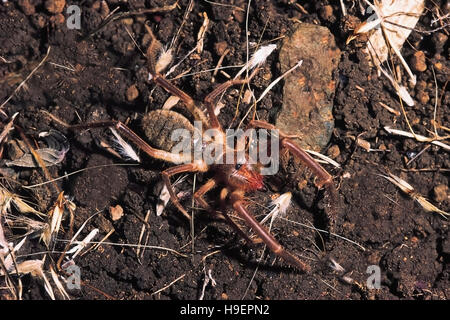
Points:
[(235, 180)]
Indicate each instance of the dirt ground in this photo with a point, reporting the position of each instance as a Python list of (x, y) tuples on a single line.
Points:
[(87, 77)]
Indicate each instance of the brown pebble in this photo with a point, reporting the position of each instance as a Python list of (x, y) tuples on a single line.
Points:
[(334, 151), (116, 212), (132, 93), (239, 15), (220, 47), (26, 7), (267, 75), (438, 65), (421, 85), (58, 19), (423, 97), (128, 21), (418, 62), (55, 6), (440, 193), (224, 296), (326, 13), (39, 21), (96, 5), (374, 258)]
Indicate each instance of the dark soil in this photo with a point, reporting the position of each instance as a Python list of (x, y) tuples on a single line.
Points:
[(86, 78)]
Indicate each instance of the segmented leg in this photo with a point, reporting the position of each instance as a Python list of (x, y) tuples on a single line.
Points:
[(238, 205), (324, 178), (166, 174), (152, 53), (198, 166), (198, 196), (133, 137), (209, 99)]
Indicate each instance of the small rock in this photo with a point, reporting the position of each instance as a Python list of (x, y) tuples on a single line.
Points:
[(220, 47), (374, 258), (440, 193), (439, 40), (326, 13), (39, 21), (128, 21), (55, 6), (423, 97), (418, 62), (116, 212), (334, 151), (27, 7), (421, 85), (132, 93), (308, 91), (239, 15), (58, 18)]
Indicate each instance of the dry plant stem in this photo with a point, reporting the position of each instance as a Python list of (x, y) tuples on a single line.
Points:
[(16, 291), (169, 285), (48, 177), (419, 138), (26, 79), (8, 127), (36, 156)]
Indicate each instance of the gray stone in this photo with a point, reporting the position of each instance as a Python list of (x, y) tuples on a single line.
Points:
[(309, 91)]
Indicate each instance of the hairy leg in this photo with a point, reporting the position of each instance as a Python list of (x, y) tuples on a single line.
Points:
[(128, 133), (238, 205), (198, 196), (209, 99), (324, 178), (166, 174)]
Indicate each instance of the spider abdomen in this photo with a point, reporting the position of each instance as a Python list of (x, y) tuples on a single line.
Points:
[(160, 125)]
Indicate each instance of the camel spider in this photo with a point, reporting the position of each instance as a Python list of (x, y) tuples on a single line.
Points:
[(236, 180)]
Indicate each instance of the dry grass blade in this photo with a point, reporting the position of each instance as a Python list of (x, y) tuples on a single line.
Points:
[(59, 285), (54, 220), (418, 137), (124, 148), (35, 268), (202, 33), (324, 158), (409, 190), (7, 198), (280, 206), (26, 79), (392, 21), (8, 127), (82, 244), (169, 285)]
